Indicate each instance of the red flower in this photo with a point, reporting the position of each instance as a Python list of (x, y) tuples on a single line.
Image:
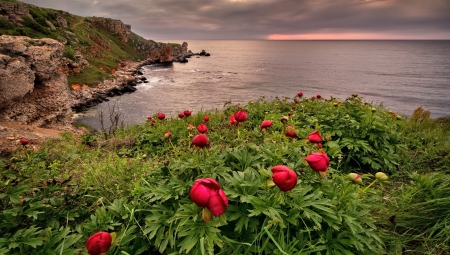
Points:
[(266, 124), (233, 120), (202, 128), (161, 116), (315, 137), (300, 94), (284, 119), (294, 107), (240, 116), (149, 117), (187, 113), (205, 118), (180, 115), (207, 193), (296, 101), (24, 142), (318, 96), (167, 134), (318, 161), (98, 243), (313, 97), (290, 131), (284, 178), (200, 140)]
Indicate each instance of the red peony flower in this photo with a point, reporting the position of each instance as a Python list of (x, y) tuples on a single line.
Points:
[(167, 134), (318, 96), (290, 131), (315, 137), (284, 178), (24, 141), (266, 124), (207, 193), (161, 116), (233, 120), (202, 128), (98, 243), (205, 118), (240, 116), (149, 117), (187, 113), (200, 140), (296, 101), (318, 161), (180, 115), (300, 94)]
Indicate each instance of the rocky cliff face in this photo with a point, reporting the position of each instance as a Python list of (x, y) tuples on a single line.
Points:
[(32, 91), (117, 27), (14, 12)]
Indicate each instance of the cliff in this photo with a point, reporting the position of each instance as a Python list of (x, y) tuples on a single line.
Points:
[(81, 62)]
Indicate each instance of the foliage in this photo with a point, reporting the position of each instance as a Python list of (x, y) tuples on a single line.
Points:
[(135, 182)]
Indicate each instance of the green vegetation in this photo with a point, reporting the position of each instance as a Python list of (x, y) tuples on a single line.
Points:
[(136, 182)]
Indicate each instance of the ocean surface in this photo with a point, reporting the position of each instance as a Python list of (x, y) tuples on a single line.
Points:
[(401, 75)]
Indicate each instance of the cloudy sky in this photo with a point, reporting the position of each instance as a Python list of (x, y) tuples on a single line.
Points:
[(270, 19)]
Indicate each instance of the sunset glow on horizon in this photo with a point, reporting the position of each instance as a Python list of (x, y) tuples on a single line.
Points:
[(348, 36)]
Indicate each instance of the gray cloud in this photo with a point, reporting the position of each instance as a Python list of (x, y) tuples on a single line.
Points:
[(257, 19)]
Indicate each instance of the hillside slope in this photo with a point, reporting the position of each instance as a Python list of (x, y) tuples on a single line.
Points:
[(94, 47)]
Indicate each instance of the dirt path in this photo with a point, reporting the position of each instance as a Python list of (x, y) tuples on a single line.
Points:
[(11, 133), (78, 23)]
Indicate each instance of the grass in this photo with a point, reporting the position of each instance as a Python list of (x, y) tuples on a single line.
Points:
[(136, 183)]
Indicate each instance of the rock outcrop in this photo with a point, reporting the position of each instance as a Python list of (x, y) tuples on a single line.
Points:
[(117, 27), (14, 12), (32, 90)]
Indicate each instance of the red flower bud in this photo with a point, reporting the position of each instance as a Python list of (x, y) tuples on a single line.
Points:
[(266, 124), (180, 115), (24, 142), (318, 161), (284, 119), (202, 128), (290, 131), (315, 137), (187, 113), (355, 178), (300, 94), (207, 193), (284, 178), (233, 120), (240, 116), (200, 140), (149, 117), (296, 101), (205, 118), (294, 107), (98, 243), (161, 116), (318, 96), (167, 134)]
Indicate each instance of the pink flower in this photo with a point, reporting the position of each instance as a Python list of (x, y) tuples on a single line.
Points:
[(180, 115), (266, 124), (284, 178), (233, 120), (240, 116), (200, 140), (205, 118), (318, 161), (187, 113), (207, 193), (315, 137), (202, 128), (161, 116), (300, 94), (98, 243)]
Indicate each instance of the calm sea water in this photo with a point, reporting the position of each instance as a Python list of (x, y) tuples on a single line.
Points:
[(402, 75)]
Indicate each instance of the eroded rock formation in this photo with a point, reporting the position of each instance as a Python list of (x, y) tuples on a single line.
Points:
[(32, 90)]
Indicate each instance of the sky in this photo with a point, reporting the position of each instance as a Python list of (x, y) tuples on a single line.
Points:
[(270, 19)]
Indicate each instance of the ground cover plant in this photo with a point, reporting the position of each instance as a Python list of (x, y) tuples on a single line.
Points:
[(301, 175)]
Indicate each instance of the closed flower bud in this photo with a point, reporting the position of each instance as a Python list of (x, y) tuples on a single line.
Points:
[(284, 177), (24, 142), (205, 118), (315, 137), (373, 109), (98, 243), (318, 161), (240, 116), (200, 140), (180, 115), (187, 113), (355, 178), (202, 128), (167, 135), (319, 96), (233, 120), (381, 176), (284, 119), (300, 94), (266, 124), (161, 116), (290, 132)]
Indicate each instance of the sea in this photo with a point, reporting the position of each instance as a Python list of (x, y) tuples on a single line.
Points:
[(400, 75)]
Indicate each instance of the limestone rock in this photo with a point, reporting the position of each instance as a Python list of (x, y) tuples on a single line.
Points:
[(32, 91)]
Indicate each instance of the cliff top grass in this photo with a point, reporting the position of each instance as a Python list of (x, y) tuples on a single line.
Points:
[(100, 47), (135, 182)]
